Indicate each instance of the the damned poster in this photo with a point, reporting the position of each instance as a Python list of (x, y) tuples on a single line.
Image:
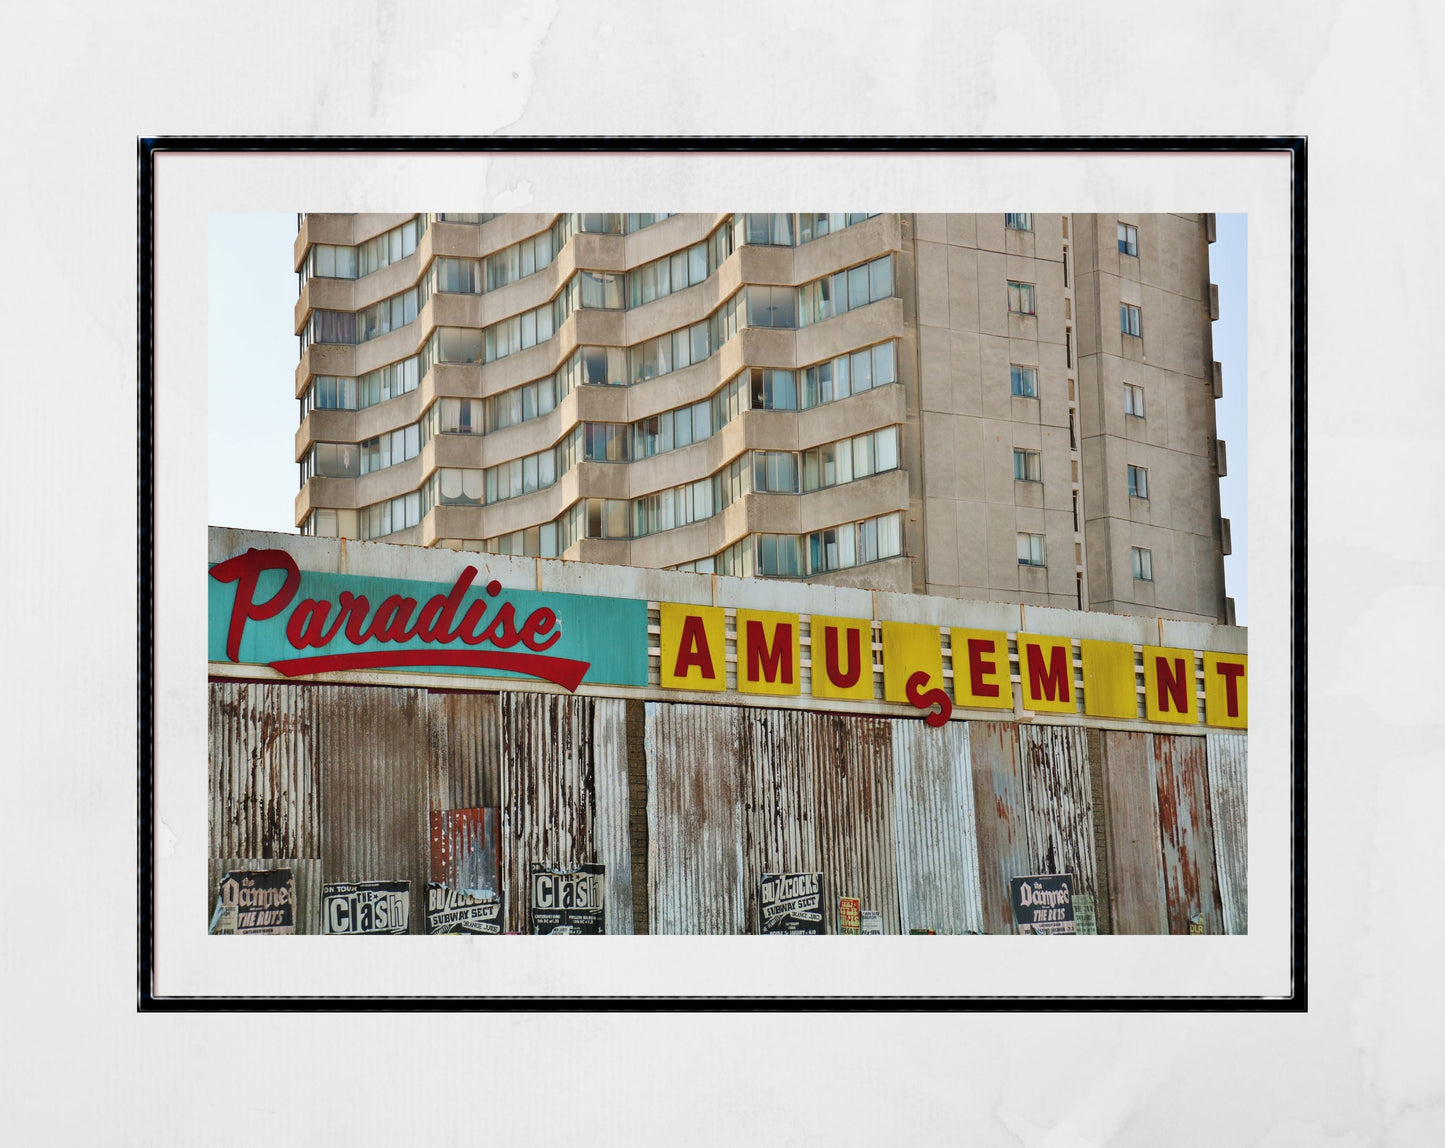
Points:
[(361, 908), (791, 903), (1043, 904), (260, 901), (567, 900), (457, 911)]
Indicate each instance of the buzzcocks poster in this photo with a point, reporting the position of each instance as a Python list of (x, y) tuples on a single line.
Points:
[(458, 911), (791, 903)]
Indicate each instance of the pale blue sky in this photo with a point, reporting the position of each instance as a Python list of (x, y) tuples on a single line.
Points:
[(252, 354)]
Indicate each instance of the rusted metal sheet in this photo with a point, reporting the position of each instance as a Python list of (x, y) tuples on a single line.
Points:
[(1229, 806), (466, 849), (264, 789), (1001, 805), (853, 787), (1135, 852), (464, 750), (935, 829), (694, 820), (556, 773), (612, 829), (1055, 763), (1181, 777), (373, 770), (305, 872), (779, 805)]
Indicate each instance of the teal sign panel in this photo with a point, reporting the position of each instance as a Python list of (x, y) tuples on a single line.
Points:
[(473, 627)]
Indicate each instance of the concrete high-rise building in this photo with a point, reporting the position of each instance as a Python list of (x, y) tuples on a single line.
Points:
[(1012, 406)]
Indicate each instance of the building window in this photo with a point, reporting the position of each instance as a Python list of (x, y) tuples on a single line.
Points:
[(1143, 562), (1027, 467), (1128, 239), (1031, 550), (1138, 482), (1129, 322), (844, 291), (1133, 400), (1018, 220), (1023, 381), (1021, 298)]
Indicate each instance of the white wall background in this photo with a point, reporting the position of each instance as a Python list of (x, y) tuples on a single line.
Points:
[(81, 81)]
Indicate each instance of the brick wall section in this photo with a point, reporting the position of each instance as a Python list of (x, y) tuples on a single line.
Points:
[(1101, 830)]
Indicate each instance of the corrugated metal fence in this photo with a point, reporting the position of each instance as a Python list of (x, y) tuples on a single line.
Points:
[(927, 826)]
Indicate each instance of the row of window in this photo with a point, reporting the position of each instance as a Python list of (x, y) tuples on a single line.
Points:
[(799, 556), (344, 393), (332, 261), (352, 327)]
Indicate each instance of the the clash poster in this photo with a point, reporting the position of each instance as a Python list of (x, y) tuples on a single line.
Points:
[(366, 908), (259, 901), (791, 903), (459, 912), (1043, 904), (567, 900)]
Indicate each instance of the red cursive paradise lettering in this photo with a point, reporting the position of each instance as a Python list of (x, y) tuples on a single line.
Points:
[(314, 623)]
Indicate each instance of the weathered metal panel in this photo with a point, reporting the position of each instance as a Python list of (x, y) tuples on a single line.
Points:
[(564, 796), (1181, 776), (305, 872), (780, 819), (464, 749), (548, 791), (466, 849), (264, 790), (853, 787), (373, 769), (1001, 804), (611, 828), (695, 857), (1229, 804), (935, 830), (1055, 761), (1136, 854)]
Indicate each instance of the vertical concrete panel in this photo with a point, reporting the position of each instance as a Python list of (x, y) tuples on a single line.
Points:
[(935, 829), (1055, 762), (1228, 755), (853, 775), (694, 820), (1136, 867), (1000, 799), (373, 770), (1181, 777)]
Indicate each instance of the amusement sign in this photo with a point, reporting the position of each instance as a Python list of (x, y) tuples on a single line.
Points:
[(264, 610)]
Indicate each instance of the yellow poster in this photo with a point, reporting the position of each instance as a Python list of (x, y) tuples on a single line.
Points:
[(981, 669), (842, 654), (1169, 685), (907, 648), (1109, 686), (1046, 672), (693, 647), (1226, 690), (768, 658)]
